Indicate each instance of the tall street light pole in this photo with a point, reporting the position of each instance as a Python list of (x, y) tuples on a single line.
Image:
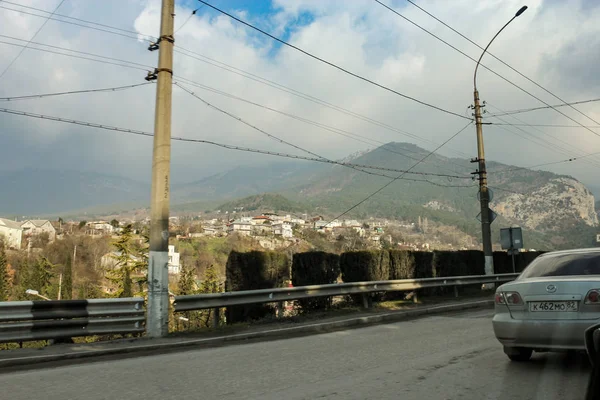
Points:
[(484, 195), (157, 318)]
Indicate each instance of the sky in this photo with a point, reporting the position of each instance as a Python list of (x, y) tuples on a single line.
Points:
[(555, 43)]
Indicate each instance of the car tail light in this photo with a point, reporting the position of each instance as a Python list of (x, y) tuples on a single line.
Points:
[(593, 297), (509, 298)]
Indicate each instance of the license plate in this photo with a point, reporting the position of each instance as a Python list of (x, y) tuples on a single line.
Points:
[(553, 306)]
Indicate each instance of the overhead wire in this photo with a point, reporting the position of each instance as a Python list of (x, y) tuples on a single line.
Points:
[(331, 64), (101, 59), (188, 19), (400, 176), (44, 95), (30, 40), (278, 139), (565, 103), (339, 131), (483, 66), (137, 35), (524, 110), (210, 142), (545, 142), (226, 67)]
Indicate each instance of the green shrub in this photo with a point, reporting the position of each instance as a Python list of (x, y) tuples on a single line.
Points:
[(402, 264), (252, 271), (362, 266), (315, 268)]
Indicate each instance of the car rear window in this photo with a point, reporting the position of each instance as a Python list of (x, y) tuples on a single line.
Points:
[(563, 265)]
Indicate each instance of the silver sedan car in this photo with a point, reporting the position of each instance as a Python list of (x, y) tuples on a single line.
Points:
[(550, 305)]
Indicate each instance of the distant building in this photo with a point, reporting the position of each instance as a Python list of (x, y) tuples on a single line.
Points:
[(34, 227), (283, 229), (173, 265), (237, 226), (11, 232)]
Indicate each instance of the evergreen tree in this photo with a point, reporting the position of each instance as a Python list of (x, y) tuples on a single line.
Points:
[(4, 278), (66, 292), (186, 284), (211, 282), (125, 264), (38, 276)]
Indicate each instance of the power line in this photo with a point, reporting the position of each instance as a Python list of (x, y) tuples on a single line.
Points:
[(303, 149), (40, 96), (483, 66), (552, 126), (147, 38), (188, 19), (509, 169), (225, 67), (222, 145), (544, 142), (304, 96), (126, 64), (332, 64), (30, 40), (399, 176), (509, 66), (524, 110), (342, 132)]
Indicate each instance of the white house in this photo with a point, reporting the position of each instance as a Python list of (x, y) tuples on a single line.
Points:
[(33, 227), (283, 229), (237, 226), (174, 265), (12, 233)]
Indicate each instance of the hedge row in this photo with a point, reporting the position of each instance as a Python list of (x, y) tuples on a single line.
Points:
[(262, 270), (252, 271)]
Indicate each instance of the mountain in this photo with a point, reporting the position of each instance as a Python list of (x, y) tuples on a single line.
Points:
[(554, 210), (43, 191)]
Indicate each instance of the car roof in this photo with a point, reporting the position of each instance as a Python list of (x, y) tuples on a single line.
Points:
[(572, 251)]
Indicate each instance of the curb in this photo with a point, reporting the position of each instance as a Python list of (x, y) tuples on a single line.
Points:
[(307, 329)]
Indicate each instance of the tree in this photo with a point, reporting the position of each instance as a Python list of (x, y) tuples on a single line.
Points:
[(114, 223), (38, 276), (82, 224), (425, 227), (211, 282), (125, 264), (4, 277), (187, 283), (66, 291)]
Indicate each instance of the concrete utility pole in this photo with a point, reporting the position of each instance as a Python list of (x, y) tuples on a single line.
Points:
[(484, 194), (157, 323)]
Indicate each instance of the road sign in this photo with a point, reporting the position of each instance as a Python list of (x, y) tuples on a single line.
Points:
[(490, 194), (493, 216), (511, 238)]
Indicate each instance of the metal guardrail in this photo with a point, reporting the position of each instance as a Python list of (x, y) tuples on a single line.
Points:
[(218, 300), (41, 320)]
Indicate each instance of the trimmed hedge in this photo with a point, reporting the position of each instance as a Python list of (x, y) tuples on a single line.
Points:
[(368, 265), (315, 268), (252, 271), (503, 262)]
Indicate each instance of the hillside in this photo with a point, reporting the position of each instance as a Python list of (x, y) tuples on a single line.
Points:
[(263, 202)]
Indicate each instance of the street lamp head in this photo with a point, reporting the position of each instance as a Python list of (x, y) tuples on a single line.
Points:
[(33, 292), (521, 11)]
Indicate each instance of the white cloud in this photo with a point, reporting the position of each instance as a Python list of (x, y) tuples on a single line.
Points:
[(358, 35)]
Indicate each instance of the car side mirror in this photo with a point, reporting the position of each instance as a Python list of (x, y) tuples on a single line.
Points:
[(592, 346)]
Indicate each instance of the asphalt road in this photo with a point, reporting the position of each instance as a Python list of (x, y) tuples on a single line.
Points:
[(438, 357)]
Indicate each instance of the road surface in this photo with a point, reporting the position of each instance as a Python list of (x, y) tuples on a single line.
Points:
[(452, 356)]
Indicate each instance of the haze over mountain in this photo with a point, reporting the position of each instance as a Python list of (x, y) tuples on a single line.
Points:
[(558, 207)]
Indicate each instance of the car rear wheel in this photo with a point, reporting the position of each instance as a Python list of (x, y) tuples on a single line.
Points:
[(518, 354)]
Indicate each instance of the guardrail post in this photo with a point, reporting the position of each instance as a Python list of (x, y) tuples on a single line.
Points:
[(415, 297), (366, 300), (216, 318), (455, 291), (280, 309)]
